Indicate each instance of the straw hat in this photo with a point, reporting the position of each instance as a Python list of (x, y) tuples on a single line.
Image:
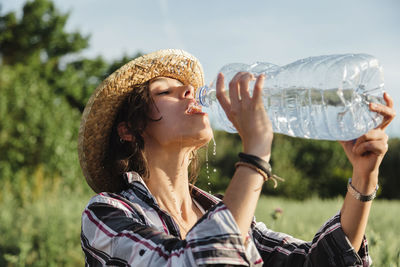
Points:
[(102, 107)]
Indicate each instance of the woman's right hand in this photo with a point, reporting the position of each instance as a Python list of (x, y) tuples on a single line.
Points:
[(247, 113)]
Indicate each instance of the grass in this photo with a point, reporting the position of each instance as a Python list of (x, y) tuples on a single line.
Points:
[(302, 219), (42, 227)]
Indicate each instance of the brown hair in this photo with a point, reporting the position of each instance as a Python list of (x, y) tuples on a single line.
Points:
[(123, 156)]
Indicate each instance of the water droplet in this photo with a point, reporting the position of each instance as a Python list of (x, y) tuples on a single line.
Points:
[(206, 154), (207, 171), (215, 170), (214, 147)]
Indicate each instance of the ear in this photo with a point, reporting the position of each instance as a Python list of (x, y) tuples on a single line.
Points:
[(124, 133)]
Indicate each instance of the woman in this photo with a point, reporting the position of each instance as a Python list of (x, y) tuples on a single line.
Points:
[(138, 139)]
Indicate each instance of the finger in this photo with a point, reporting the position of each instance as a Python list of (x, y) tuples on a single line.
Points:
[(387, 111), (377, 147), (221, 93), (373, 135), (258, 87), (234, 91), (370, 135), (244, 85), (388, 100)]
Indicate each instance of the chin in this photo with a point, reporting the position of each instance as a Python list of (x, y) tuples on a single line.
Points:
[(204, 137)]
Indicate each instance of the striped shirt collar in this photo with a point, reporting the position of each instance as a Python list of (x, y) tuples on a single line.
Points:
[(135, 181)]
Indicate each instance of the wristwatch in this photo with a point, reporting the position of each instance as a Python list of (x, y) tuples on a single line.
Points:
[(357, 195)]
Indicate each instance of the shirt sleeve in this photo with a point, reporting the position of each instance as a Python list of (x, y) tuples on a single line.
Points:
[(330, 247), (115, 234)]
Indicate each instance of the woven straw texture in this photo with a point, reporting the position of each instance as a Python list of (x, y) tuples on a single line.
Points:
[(102, 107)]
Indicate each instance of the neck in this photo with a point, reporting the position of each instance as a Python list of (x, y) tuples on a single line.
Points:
[(168, 181)]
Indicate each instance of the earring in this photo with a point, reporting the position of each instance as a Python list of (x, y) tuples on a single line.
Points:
[(121, 140)]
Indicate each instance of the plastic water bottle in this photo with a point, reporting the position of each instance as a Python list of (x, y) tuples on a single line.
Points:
[(323, 97)]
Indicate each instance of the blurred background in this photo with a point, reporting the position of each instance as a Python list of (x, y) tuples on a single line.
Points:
[(53, 54), (221, 32)]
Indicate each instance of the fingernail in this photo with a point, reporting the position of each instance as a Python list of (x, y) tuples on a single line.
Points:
[(373, 105)]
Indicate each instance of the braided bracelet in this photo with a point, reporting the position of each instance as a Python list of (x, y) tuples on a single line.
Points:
[(259, 165), (257, 161), (251, 166), (357, 195)]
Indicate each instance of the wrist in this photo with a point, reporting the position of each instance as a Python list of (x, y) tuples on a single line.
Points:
[(260, 147), (260, 150), (364, 185)]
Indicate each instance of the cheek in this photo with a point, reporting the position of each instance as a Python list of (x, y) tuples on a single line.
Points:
[(165, 110), (165, 117), (154, 112)]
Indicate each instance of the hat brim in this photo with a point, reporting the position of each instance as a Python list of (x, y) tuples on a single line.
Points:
[(102, 107)]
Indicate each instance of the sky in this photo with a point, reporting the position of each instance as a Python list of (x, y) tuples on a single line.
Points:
[(218, 32)]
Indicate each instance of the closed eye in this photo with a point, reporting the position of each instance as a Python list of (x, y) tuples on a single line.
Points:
[(163, 93)]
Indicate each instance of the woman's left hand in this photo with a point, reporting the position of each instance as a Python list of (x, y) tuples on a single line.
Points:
[(367, 152)]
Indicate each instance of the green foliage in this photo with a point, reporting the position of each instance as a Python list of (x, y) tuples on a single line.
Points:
[(37, 126), (389, 171), (38, 35), (323, 164), (42, 97), (40, 222)]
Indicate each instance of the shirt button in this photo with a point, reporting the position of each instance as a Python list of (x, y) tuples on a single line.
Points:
[(141, 252)]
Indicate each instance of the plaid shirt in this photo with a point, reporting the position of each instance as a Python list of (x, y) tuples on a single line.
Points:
[(130, 229)]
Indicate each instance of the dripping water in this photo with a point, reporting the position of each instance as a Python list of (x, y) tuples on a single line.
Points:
[(214, 147), (208, 172), (214, 153)]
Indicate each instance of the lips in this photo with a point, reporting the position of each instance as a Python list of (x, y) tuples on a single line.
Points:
[(193, 108)]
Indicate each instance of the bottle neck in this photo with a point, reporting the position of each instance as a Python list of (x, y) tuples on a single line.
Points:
[(205, 95)]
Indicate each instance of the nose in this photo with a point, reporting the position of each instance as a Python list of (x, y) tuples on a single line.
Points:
[(188, 91)]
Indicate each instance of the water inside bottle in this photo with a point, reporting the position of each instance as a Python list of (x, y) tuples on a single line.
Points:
[(299, 101), (321, 113)]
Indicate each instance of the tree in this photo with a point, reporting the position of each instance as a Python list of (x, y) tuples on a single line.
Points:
[(390, 170), (39, 35), (43, 93)]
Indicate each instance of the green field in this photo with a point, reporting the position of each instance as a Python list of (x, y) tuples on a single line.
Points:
[(42, 228), (302, 219)]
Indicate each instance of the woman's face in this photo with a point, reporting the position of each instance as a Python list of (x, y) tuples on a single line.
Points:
[(178, 120)]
